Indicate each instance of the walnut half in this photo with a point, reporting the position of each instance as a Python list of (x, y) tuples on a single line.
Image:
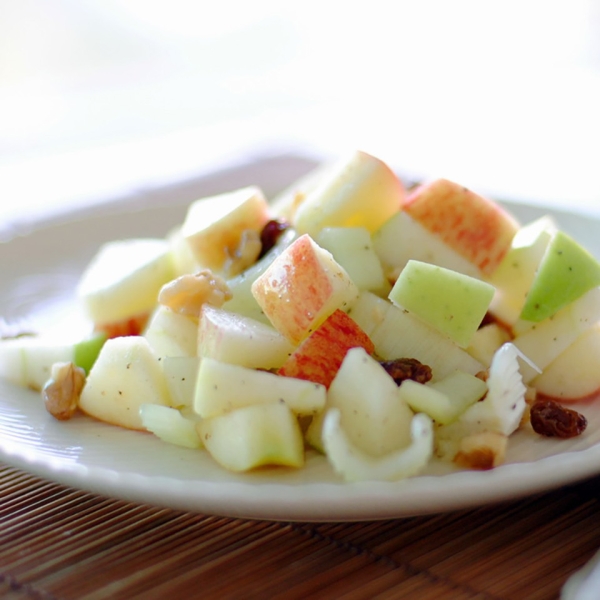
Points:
[(187, 294), (61, 393)]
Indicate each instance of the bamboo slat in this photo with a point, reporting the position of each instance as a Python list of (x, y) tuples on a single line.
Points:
[(57, 543)]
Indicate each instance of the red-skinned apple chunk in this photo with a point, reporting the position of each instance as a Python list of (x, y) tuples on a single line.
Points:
[(319, 357), (472, 225), (301, 288)]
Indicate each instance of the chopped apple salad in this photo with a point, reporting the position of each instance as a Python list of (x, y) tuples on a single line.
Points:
[(380, 326)]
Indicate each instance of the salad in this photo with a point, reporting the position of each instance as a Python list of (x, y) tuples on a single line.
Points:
[(380, 326)]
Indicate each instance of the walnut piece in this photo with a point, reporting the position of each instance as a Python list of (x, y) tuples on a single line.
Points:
[(61, 393), (482, 451), (186, 294)]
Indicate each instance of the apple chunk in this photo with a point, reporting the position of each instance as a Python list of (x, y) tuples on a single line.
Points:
[(242, 301), (359, 190), (240, 340), (171, 334), (170, 425), (123, 280), (402, 238), (320, 355), (397, 333), (213, 226), (221, 387), (477, 228), (545, 341), (573, 374), (352, 249), (512, 279), (566, 272), (301, 288), (374, 416), (126, 375), (453, 303), (254, 436), (28, 360)]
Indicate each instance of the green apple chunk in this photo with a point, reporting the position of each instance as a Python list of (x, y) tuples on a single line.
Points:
[(351, 247), (240, 340), (170, 425), (221, 387), (397, 333), (254, 436), (28, 360), (373, 415), (566, 272), (124, 278), (126, 375), (514, 275), (451, 302), (444, 401)]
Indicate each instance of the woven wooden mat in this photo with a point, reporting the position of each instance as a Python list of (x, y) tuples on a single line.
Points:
[(60, 543)]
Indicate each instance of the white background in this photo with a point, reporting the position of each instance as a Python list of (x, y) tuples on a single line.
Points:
[(98, 97)]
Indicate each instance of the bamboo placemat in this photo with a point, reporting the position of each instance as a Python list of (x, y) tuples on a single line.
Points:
[(60, 543)]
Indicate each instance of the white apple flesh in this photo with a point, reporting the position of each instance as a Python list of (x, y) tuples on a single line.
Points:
[(352, 248), (126, 375), (396, 333), (240, 340), (373, 415), (213, 226), (574, 373), (402, 238), (171, 334), (222, 387), (512, 279), (123, 280), (27, 360), (358, 190), (545, 341), (254, 436)]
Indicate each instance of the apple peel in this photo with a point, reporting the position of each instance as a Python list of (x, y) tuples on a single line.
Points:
[(355, 465)]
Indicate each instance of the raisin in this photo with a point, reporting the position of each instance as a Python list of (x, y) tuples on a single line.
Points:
[(270, 234), (550, 419), (488, 319), (407, 368)]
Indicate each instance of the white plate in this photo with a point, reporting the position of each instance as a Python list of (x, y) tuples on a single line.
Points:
[(39, 272)]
